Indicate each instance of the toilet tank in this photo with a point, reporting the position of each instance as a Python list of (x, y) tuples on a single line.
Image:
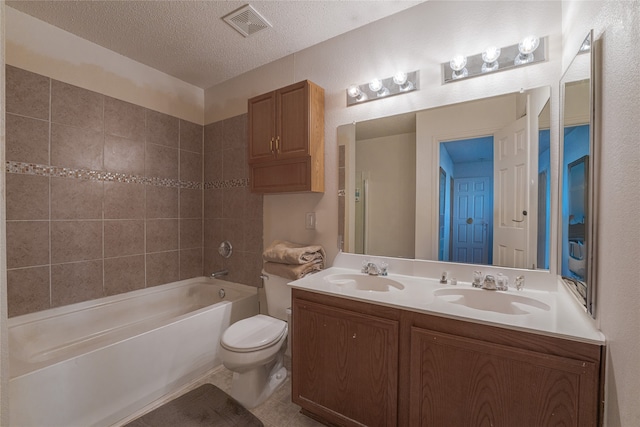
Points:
[(278, 294)]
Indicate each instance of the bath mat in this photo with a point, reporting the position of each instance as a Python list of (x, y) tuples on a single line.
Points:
[(207, 405)]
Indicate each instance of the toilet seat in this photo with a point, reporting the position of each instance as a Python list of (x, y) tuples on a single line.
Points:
[(253, 334)]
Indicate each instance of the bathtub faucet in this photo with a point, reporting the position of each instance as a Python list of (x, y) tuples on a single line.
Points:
[(219, 273)]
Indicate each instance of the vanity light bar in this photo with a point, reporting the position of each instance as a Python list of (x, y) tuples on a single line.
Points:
[(530, 50), (383, 88)]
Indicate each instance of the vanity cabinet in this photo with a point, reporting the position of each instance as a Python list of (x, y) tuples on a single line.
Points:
[(476, 375), (345, 360), (356, 363), (286, 139)]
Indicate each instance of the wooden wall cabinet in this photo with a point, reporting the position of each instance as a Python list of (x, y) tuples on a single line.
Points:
[(286, 139), (350, 369)]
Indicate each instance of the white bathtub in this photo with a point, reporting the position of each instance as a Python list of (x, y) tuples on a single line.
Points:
[(94, 363)]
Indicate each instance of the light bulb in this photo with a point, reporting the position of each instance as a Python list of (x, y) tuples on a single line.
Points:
[(354, 92), (490, 59), (528, 44), (491, 54), (376, 86), (526, 47), (458, 62), (400, 78)]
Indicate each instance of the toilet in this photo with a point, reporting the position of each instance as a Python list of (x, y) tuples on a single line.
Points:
[(253, 348)]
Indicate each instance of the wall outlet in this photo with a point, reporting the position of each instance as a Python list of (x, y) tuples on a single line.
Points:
[(310, 221)]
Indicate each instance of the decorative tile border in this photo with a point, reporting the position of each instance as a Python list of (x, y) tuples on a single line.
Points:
[(92, 175)]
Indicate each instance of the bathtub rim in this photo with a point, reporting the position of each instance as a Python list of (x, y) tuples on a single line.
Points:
[(84, 305)]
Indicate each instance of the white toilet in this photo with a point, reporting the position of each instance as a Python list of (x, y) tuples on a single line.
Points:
[(253, 348)]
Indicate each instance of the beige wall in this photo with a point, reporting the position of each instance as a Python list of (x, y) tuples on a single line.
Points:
[(39, 47), (617, 25), (419, 38), (4, 350)]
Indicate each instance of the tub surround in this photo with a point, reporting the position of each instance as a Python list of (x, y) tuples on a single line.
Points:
[(106, 197), (120, 355)]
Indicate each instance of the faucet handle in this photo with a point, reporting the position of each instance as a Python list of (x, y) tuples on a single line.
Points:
[(519, 282), (384, 267)]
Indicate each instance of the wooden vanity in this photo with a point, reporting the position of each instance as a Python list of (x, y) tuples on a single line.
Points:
[(357, 363)]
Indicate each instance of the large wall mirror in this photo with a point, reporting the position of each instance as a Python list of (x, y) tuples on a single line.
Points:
[(577, 149), (467, 183)]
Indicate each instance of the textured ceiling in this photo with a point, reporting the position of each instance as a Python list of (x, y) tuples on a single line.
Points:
[(190, 41)]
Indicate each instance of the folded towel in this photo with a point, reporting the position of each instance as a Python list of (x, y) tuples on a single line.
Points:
[(291, 271), (284, 252)]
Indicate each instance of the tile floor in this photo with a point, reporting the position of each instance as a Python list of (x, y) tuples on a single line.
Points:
[(277, 411)]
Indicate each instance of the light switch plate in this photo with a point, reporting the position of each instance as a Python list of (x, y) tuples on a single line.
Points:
[(310, 221)]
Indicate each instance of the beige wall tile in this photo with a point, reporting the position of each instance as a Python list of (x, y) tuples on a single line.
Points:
[(27, 243), (190, 263), (74, 106), (27, 93), (233, 231), (212, 261), (162, 202), (253, 237), (76, 147), (123, 155), (27, 140), (75, 241), (190, 166), (212, 166), (27, 290), (162, 129), (161, 162), (213, 203), (213, 137), (191, 136), (124, 119), (76, 199), (76, 282), (234, 132), (162, 235), (190, 203), (123, 237), (190, 233), (27, 197), (253, 203), (162, 267), (233, 203), (234, 164), (123, 200), (123, 274)]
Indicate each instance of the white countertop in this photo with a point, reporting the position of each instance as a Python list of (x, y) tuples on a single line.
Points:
[(555, 314)]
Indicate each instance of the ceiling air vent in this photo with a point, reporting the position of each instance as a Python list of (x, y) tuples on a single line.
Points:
[(246, 20)]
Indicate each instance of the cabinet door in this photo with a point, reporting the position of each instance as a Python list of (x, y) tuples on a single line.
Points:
[(262, 127), (465, 382), (292, 121), (345, 365)]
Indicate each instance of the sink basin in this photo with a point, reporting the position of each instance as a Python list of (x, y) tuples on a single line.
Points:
[(364, 282), (498, 302)]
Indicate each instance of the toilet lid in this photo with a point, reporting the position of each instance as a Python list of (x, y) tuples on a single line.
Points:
[(253, 333)]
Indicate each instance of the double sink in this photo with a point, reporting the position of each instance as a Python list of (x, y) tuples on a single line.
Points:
[(461, 296)]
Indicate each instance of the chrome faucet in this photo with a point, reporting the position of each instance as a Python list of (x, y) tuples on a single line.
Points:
[(219, 273), (372, 269)]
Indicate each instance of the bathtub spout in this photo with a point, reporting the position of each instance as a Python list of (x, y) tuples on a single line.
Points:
[(219, 273)]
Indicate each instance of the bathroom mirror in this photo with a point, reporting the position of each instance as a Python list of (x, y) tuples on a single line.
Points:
[(577, 195), (467, 182)]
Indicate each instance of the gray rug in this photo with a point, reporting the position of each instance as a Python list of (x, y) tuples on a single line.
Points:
[(207, 405)]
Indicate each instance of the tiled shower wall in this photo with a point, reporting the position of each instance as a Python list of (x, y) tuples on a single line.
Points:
[(105, 197)]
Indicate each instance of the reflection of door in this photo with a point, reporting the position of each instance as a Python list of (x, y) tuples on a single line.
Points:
[(511, 177), (472, 220)]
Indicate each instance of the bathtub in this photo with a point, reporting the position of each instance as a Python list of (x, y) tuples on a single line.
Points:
[(97, 362)]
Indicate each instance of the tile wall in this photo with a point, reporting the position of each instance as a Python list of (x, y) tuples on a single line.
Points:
[(105, 197)]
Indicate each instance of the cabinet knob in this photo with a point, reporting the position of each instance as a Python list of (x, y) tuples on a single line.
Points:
[(354, 335)]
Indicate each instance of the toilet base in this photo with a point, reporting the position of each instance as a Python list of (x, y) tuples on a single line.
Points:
[(253, 387)]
